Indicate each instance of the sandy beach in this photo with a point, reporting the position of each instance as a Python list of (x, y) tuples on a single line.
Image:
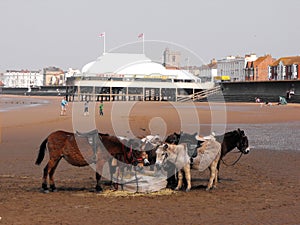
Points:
[(262, 188)]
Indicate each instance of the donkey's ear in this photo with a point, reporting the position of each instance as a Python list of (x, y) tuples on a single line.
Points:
[(240, 132)]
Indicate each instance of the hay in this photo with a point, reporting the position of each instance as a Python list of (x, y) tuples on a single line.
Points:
[(110, 193), (115, 194)]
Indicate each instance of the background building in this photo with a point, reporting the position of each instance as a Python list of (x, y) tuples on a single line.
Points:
[(53, 76), (232, 67), (258, 70), (286, 68), (22, 78), (195, 70), (128, 76), (207, 73), (133, 67), (171, 59)]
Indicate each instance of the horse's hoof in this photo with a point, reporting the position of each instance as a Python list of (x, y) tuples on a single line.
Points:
[(171, 186), (99, 189), (187, 190), (44, 186), (208, 189), (44, 191), (113, 188), (53, 188)]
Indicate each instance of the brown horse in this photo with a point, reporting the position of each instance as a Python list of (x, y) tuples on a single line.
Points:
[(83, 150)]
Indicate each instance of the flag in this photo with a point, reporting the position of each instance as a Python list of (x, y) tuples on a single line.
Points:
[(141, 35), (102, 34)]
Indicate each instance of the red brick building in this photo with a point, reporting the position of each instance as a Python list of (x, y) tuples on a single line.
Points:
[(258, 70)]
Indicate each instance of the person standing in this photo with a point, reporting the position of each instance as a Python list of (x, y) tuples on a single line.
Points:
[(101, 108), (63, 104), (86, 108)]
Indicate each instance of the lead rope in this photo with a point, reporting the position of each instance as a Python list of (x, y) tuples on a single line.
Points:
[(136, 180), (234, 162)]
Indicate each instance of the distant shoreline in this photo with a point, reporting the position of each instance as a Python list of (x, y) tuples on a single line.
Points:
[(11, 102)]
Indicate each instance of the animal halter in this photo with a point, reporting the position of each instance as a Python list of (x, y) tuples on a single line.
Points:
[(234, 161), (130, 158)]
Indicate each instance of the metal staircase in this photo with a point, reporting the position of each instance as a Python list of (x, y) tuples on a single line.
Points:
[(201, 94)]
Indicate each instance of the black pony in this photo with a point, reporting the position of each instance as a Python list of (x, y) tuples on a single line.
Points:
[(230, 140)]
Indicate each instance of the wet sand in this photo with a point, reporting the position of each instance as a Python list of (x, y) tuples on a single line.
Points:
[(262, 188)]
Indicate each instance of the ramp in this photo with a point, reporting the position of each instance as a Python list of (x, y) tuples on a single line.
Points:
[(201, 94)]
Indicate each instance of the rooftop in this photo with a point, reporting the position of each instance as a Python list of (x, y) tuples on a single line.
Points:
[(131, 65), (290, 60)]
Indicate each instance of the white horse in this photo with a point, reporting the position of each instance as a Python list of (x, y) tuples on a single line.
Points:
[(208, 156)]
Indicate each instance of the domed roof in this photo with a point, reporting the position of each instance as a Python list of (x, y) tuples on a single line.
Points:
[(113, 62), (146, 68), (132, 64)]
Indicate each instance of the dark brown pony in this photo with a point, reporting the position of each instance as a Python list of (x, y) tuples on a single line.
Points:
[(78, 151)]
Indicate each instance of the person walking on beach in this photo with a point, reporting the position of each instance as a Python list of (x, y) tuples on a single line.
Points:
[(63, 104), (101, 108), (86, 108)]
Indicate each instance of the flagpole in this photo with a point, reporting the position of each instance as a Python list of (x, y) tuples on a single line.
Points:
[(104, 43), (142, 35), (143, 43)]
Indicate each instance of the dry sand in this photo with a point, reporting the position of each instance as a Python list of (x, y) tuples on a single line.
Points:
[(263, 188)]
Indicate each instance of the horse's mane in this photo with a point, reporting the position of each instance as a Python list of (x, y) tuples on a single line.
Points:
[(231, 133), (226, 135), (112, 139)]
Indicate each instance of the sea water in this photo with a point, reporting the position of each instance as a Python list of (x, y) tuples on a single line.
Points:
[(271, 136), (15, 103)]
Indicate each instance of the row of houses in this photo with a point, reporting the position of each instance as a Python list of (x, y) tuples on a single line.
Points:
[(232, 68), (251, 68), (50, 76)]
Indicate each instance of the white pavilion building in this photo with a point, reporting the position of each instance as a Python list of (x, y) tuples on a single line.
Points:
[(124, 76)]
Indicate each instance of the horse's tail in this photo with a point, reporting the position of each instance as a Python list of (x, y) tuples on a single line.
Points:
[(41, 152)]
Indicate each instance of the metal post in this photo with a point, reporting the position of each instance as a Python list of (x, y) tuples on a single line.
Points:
[(0, 129)]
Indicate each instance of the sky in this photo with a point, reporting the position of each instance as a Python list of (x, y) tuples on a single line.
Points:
[(65, 33)]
